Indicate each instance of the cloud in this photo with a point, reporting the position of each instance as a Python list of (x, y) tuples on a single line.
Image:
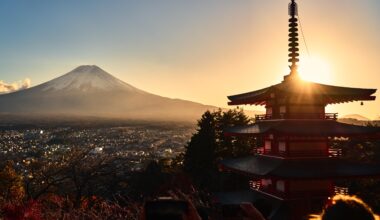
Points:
[(12, 87)]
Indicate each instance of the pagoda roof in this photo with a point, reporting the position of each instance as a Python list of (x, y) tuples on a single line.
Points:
[(299, 88), (301, 168), (279, 209), (329, 128)]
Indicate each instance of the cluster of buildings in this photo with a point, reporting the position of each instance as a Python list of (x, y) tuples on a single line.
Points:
[(138, 144)]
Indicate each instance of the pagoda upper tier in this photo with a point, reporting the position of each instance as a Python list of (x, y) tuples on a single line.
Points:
[(296, 91)]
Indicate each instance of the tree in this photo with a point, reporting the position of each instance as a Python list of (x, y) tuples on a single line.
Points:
[(365, 151), (11, 184), (209, 145), (78, 172), (232, 146), (201, 150)]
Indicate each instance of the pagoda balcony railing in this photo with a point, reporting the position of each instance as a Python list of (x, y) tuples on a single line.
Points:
[(322, 116), (332, 152), (263, 117), (255, 184), (341, 190), (335, 152), (258, 150)]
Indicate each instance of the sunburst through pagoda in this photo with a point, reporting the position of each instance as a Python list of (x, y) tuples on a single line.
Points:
[(295, 169)]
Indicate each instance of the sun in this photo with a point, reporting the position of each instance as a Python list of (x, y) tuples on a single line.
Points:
[(315, 69)]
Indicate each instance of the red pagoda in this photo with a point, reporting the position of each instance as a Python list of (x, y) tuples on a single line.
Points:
[(295, 169)]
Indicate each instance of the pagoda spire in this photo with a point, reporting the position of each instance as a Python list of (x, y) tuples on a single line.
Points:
[(293, 40)]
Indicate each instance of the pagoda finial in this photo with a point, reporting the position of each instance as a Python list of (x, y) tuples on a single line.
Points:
[(293, 38)]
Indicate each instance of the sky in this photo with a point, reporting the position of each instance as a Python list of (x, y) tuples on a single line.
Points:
[(195, 50)]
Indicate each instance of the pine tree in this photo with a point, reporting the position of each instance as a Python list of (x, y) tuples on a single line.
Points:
[(209, 145)]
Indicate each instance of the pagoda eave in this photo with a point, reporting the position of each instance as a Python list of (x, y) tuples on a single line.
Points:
[(332, 177), (338, 100), (295, 127), (255, 102), (299, 89), (259, 167), (356, 137), (326, 100)]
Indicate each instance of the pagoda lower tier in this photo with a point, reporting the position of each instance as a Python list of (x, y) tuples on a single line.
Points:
[(295, 164), (301, 186)]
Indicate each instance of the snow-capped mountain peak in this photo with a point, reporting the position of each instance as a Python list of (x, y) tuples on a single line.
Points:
[(87, 78), (90, 91)]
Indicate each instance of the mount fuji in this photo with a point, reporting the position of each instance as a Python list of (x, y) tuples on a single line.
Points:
[(90, 91)]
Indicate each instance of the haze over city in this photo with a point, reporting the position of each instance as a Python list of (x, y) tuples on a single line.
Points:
[(198, 51)]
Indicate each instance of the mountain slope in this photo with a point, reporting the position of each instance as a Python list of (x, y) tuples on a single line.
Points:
[(357, 117), (90, 91)]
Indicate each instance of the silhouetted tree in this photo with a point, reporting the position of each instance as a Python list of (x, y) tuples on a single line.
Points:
[(150, 182), (78, 172), (210, 144), (366, 151)]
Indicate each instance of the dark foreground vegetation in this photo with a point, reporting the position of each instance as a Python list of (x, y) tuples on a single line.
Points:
[(82, 183)]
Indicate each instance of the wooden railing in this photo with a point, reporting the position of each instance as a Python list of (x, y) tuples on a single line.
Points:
[(332, 152), (255, 184), (335, 152), (323, 116), (258, 150), (263, 117), (341, 190)]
